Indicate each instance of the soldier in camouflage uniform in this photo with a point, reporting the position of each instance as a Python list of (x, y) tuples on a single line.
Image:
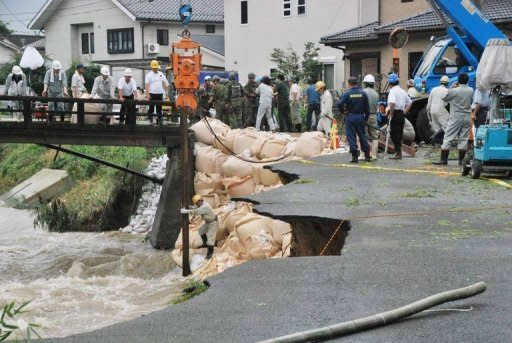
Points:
[(219, 98), (251, 101), (206, 96), (234, 102)]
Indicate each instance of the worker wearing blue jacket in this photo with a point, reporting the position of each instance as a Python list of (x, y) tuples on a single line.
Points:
[(354, 103)]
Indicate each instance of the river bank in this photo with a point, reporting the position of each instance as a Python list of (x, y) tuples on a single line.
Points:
[(81, 281)]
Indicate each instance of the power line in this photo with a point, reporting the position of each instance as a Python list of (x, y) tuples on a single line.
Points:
[(14, 15)]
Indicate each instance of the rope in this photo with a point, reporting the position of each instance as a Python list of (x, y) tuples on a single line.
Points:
[(232, 153), (332, 237)]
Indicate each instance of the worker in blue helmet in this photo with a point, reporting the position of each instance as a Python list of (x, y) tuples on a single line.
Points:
[(399, 105)]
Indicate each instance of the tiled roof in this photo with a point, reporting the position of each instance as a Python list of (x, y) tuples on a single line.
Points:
[(212, 42), (498, 11), (365, 32), (23, 40), (167, 10)]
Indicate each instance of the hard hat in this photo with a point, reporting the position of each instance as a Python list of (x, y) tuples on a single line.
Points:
[(105, 71), (216, 78), (232, 75), (56, 65), (251, 76), (16, 70), (207, 78), (445, 79), (410, 82), (128, 72), (155, 64), (369, 79), (319, 85), (393, 78), (196, 198)]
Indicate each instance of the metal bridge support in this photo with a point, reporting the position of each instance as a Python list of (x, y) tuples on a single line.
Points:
[(168, 220)]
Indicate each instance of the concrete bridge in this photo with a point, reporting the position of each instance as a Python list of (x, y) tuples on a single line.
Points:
[(35, 128)]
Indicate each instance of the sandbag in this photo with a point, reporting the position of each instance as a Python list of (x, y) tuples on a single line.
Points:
[(260, 246), (408, 134), (310, 144), (238, 187), (236, 167), (265, 177), (234, 216), (210, 160), (251, 224), (177, 255), (244, 139), (279, 229), (495, 67), (206, 184), (226, 141), (272, 148), (289, 149), (195, 240), (202, 131)]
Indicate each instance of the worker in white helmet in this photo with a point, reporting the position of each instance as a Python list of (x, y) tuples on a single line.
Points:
[(16, 85), (104, 88), (208, 230), (372, 132), (127, 89), (55, 86), (436, 110)]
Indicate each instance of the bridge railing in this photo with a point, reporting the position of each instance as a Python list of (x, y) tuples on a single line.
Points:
[(80, 111)]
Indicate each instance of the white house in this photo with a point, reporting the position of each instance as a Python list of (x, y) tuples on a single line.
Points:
[(255, 27), (127, 33)]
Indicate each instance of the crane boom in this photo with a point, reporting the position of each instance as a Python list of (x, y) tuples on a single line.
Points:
[(470, 20)]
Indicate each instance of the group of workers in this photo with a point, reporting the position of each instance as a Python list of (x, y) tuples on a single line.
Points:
[(104, 87)]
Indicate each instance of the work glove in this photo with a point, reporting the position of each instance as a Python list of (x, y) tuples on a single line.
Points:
[(184, 211)]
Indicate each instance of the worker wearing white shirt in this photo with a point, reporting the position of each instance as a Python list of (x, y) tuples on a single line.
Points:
[(103, 88), (127, 88), (399, 104), (436, 109), (295, 102), (156, 87)]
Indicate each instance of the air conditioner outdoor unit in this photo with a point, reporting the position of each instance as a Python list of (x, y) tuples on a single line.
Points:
[(153, 48)]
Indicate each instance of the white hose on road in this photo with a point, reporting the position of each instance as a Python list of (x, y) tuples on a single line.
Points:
[(380, 319)]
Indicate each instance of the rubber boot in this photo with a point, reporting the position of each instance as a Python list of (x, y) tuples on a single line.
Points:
[(355, 157), (462, 154), (205, 240), (209, 252), (444, 158), (367, 156), (375, 149), (398, 156)]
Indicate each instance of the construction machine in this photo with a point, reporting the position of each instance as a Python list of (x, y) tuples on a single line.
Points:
[(468, 32)]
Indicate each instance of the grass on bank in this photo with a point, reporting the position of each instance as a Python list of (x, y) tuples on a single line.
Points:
[(194, 288), (100, 198)]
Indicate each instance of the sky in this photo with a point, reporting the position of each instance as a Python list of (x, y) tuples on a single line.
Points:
[(18, 13)]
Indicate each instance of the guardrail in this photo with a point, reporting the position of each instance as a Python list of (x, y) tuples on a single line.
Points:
[(33, 108)]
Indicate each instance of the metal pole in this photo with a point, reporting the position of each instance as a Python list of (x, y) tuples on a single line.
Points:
[(185, 196)]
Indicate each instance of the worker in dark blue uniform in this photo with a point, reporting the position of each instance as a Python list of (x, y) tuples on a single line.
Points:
[(354, 103)]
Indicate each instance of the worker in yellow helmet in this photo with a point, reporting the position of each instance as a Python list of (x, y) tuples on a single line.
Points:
[(156, 88), (208, 230)]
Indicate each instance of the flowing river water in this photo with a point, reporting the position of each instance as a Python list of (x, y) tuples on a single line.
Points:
[(79, 282)]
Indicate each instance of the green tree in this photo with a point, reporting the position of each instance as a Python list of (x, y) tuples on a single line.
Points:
[(4, 29), (287, 62), (311, 68)]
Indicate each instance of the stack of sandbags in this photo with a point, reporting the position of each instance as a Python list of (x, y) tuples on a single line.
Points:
[(310, 144), (236, 167), (210, 160), (239, 186), (208, 183), (244, 140), (226, 141), (203, 133)]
